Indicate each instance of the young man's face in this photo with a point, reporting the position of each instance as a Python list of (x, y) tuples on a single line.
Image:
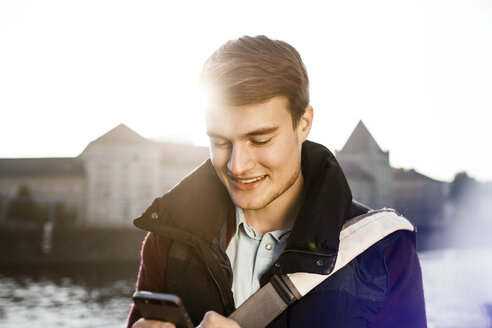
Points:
[(256, 151)]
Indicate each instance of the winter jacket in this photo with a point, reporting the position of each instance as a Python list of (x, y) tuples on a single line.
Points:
[(190, 226)]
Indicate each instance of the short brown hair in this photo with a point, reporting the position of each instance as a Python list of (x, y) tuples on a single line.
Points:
[(252, 70)]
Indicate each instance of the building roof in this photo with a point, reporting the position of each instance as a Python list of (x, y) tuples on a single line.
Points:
[(361, 140), (120, 134), (123, 134), (411, 175), (44, 167), (172, 153)]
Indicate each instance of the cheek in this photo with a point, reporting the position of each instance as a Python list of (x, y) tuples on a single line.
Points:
[(279, 157), (219, 158), (285, 156)]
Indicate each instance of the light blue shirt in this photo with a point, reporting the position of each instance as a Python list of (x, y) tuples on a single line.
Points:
[(251, 254)]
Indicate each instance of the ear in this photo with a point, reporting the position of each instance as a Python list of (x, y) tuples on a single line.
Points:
[(305, 122)]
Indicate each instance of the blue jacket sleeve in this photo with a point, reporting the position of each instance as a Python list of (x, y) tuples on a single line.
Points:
[(404, 306)]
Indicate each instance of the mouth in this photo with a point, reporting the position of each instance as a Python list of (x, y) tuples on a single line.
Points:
[(248, 183), (252, 180)]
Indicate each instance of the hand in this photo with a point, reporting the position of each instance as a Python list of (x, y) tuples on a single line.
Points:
[(214, 320), (142, 323)]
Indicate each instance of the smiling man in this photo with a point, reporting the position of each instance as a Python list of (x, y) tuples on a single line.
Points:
[(269, 203), (256, 153)]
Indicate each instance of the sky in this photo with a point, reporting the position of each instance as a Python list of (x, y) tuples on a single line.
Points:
[(418, 73)]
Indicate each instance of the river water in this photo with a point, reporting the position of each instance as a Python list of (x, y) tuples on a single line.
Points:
[(67, 297), (457, 284)]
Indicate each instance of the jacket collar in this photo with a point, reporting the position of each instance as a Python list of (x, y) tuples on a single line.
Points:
[(328, 200), (201, 205)]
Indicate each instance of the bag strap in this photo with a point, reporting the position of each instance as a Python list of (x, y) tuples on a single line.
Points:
[(357, 235)]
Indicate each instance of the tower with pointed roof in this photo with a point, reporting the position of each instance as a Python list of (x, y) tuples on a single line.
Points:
[(367, 168)]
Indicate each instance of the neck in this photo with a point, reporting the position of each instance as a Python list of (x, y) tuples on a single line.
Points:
[(281, 213)]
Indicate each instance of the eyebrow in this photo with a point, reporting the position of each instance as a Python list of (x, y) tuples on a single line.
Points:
[(254, 133), (261, 132)]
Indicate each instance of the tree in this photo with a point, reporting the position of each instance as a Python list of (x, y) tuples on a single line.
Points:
[(463, 188), (23, 207)]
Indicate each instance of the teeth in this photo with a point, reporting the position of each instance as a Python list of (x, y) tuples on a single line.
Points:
[(250, 180)]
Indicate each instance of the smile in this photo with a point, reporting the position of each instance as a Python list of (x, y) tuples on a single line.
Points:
[(247, 184), (250, 180)]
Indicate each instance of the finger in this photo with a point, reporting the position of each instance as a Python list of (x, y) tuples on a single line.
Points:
[(160, 324), (214, 320), (142, 323)]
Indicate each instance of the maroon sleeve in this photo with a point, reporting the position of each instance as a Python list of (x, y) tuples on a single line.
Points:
[(152, 271), (405, 305)]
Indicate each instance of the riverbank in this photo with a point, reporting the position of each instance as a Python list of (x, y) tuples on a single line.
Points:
[(32, 246), (68, 246)]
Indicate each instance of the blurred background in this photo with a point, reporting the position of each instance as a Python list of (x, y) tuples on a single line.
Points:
[(100, 113)]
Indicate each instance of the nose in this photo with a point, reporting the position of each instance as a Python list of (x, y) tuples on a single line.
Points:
[(240, 160)]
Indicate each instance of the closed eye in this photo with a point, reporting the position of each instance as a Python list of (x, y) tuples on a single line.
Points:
[(261, 142), (219, 143)]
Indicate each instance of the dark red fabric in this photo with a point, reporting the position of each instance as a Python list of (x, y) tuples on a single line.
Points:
[(152, 271)]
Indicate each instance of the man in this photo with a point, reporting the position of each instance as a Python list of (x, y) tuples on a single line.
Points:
[(267, 203)]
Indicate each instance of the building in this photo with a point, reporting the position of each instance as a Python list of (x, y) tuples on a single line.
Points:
[(367, 168), (419, 197), (117, 175), (111, 182), (374, 182)]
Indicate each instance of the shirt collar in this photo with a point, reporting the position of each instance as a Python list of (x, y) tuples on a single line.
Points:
[(279, 235)]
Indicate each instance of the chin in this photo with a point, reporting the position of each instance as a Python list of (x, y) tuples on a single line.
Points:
[(249, 204)]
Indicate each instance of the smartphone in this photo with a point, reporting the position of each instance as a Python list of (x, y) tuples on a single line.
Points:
[(162, 307)]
